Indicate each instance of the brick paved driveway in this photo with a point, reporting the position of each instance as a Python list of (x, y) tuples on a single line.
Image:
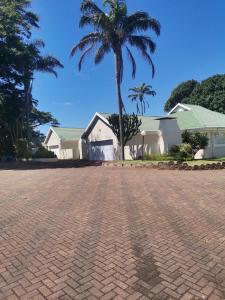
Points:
[(105, 233)]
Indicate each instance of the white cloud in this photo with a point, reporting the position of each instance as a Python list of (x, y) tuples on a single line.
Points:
[(68, 103)]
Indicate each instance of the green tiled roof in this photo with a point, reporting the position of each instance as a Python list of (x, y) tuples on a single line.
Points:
[(69, 134), (148, 123), (199, 118)]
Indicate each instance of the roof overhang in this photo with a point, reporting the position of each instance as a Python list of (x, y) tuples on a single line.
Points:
[(51, 129), (149, 132), (182, 106), (211, 128), (90, 126)]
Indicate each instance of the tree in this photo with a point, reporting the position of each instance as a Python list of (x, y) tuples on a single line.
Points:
[(20, 58), (196, 140), (131, 126), (113, 31), (33, 61), (139, 94), (210, 93), (180, 94)]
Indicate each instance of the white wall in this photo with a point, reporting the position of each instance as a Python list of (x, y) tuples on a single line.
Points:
[(101, 132), (133, 149), (213, 149), (64, 149), (53, 144), (53, 140), (171, 134), (70, 150)]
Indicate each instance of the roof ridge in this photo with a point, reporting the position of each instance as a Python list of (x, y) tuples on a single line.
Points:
[(148, 116), (55, 127)]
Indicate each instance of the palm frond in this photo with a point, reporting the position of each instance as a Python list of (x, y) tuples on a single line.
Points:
[(102, 50), (140, 45), (145, 40), (88, 6), (114, 3), (48, 64), (133, 63), (86, 41), (141, 21), (98, 21), (83, 56)]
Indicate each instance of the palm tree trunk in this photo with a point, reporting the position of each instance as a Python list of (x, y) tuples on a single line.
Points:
[(120, 102)]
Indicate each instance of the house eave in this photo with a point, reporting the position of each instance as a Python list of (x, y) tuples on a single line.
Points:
[(175, 107)]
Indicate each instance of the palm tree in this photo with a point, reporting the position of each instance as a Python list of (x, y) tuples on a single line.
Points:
[(139, 94), (114, 31)]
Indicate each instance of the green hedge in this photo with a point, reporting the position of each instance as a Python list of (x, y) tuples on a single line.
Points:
[(43, 153)]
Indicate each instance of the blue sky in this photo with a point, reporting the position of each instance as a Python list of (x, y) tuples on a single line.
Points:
[(191, 46)]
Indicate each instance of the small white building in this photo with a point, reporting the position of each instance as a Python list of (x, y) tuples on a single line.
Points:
[(64, 142)]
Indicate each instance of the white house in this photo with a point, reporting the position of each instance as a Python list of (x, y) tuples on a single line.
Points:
[(196, 118), (64, 142), (157, 135)]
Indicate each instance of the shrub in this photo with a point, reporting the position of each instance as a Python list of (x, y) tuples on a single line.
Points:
[(43, 153), (22, 150), (181, 152), (197, 140)]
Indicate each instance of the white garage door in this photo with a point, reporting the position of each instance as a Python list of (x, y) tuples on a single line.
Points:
[(101, 150)]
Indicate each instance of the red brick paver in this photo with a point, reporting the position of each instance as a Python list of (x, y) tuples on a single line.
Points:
[(111, 233)]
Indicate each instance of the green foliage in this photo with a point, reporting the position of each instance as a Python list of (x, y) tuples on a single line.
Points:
[(191, 144), (157, 157), (196, 140), (114, 30), (138, 96), (181, 92), (20, 58), (181, 152), (210, 93), (43, 153), (131, 126), (22, 149)]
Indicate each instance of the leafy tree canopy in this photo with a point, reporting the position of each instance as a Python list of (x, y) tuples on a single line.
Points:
[(131, 125), (20, 58), (181, 92), (210, 93)]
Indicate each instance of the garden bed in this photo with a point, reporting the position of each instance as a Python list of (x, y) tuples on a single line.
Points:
[(170, 165)]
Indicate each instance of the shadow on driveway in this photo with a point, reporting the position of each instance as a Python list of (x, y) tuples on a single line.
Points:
[(61, 164)]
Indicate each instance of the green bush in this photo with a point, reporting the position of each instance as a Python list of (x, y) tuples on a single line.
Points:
[(156, 157), (43, 153), (197, 140), (22, 150), (181, 152)]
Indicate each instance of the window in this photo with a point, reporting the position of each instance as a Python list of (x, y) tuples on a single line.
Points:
[(220, 138)]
